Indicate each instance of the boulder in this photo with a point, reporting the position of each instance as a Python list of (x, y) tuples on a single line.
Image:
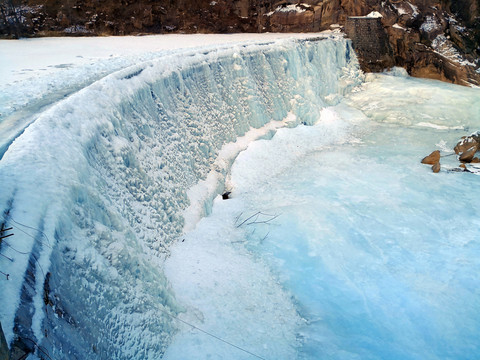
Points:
[(466, 143), (436, 167), (432, 159), (467, 156)]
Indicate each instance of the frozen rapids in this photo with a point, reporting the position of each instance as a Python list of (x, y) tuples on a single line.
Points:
[(336, 243)]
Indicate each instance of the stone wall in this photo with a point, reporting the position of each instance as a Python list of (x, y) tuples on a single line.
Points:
[(370, 41)]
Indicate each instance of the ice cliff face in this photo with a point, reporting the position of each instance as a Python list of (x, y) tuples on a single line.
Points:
[(435, 39), (96, 187)]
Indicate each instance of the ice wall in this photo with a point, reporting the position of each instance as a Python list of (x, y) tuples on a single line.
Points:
[(95, 188)]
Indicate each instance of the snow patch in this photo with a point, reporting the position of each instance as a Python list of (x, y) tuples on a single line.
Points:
[(397, 26), (445, 48), (77, 29), (430, 24), (439, 127), (296, 8), (415, 10), (401, 10), (374, 14)]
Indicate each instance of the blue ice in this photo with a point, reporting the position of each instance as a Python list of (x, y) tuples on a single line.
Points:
[(380, 254)]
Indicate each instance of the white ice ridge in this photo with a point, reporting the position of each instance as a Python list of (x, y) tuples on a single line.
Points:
[(439, 127), (35, 74), (106, 173)]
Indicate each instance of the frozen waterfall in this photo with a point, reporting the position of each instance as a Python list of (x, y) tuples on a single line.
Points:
[(335, 242), (97, 189)]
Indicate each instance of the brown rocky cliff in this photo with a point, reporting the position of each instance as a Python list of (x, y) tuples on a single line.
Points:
[(434, 39)]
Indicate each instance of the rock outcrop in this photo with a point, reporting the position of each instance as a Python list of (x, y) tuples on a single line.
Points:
[(430, 38)]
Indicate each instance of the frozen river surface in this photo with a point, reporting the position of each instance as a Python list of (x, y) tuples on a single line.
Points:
[(379, 255)]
